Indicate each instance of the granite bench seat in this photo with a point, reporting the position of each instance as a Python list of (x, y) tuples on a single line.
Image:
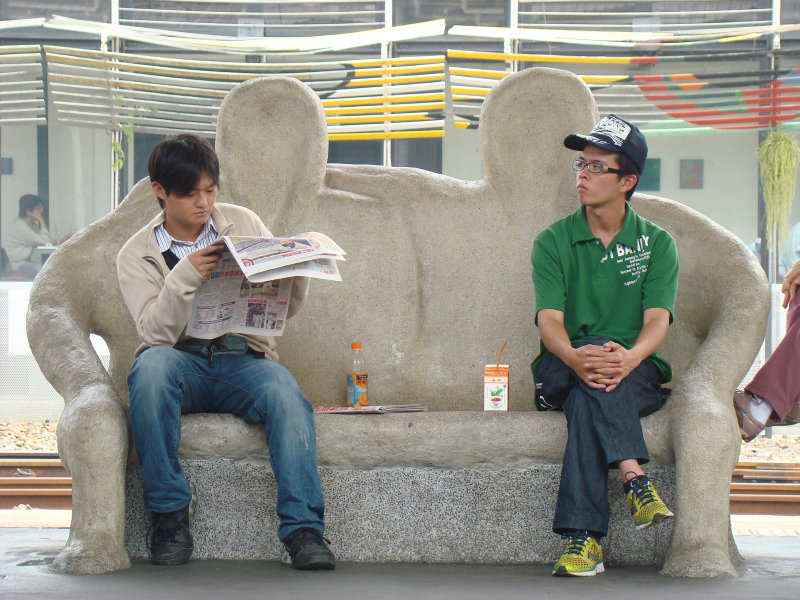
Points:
[(440, 486)]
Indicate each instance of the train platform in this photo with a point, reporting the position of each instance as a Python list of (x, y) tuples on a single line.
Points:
[(29, 539)]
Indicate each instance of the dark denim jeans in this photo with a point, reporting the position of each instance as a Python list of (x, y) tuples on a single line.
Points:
[(165, 382), (603, 428)]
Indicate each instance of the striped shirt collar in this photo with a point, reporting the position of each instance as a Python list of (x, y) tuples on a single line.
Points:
[(181, 248)]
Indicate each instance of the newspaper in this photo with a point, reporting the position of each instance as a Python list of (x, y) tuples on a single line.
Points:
[(260, 258), (375, 410), (249, 290)]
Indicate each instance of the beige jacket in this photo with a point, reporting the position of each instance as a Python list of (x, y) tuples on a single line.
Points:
[(160, 300)]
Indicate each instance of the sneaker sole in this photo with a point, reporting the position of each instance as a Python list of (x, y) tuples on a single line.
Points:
[(322, 564), (562, 572), (657, 518)]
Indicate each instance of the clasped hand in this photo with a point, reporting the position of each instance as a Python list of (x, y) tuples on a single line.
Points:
[(603, 367)]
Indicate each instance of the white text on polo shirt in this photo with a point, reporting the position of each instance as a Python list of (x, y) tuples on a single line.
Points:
[(633, 261)]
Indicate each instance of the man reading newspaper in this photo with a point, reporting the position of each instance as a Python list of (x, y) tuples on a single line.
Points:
[(160, 269)]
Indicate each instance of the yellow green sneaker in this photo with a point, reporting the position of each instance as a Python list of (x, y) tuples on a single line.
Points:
[(582, 558), (646, 507)]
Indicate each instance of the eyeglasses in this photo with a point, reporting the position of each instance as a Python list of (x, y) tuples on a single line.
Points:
[(593, 167)]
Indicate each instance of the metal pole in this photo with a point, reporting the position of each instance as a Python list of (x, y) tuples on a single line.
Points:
[(773, 65), (386, 52), (116, 135), (511, 44), (772, 273)]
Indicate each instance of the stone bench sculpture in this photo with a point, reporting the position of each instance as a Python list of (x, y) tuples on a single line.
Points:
[(437, 277)]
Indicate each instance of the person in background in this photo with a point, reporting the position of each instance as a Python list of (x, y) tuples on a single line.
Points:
[(772, 397), (26, 234)]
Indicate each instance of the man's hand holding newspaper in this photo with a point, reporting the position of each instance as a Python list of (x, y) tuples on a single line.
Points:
[(249, 290)]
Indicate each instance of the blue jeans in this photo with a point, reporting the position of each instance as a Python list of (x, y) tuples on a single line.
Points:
[(165, 382), (602, 429)]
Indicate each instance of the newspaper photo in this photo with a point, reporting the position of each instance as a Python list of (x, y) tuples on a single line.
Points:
[(249, 290)]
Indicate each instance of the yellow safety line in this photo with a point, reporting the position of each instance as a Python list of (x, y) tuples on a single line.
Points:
[(377, 100), (378, 118), (546, 58), (478, 73), (149, 87), (250, 67), (394, 80), (401, 70), (386, 135), (200, 73), (470, 91), (393, 108)]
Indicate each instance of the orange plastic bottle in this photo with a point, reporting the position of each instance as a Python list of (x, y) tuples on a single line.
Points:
[(357, 377)]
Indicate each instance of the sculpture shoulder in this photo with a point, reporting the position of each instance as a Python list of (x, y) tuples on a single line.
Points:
[(244, 220)]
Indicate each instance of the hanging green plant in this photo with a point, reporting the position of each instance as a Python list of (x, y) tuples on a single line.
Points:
[(778, 157)]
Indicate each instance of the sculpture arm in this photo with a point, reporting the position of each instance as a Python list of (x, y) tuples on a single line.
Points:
[(299, 295)]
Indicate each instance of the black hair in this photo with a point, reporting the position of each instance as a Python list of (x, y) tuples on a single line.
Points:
[(627, 167), (178, 162), (28, 202)]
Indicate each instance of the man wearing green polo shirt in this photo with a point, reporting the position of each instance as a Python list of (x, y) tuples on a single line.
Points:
[(605, 281)]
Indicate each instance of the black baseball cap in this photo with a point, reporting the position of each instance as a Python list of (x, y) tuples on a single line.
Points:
[(615, 134)]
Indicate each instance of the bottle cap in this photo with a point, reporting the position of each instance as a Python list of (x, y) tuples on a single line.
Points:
[(355, 346)]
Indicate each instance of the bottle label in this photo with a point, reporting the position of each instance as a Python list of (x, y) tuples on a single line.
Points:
[(357, 389)]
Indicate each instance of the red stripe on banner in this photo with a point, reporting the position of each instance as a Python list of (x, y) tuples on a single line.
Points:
[(766, 111), (645, 60), (665, 88), (761, 121)]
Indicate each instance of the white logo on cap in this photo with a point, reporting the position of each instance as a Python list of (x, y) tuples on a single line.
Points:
[(614, 128)]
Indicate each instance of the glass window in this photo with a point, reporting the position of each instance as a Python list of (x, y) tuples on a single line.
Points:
[(356, 152)]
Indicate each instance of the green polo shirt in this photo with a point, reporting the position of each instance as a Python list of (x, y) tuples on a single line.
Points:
[(605, 291)]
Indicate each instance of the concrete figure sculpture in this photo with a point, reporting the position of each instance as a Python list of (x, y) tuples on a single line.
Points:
[(437, 277)]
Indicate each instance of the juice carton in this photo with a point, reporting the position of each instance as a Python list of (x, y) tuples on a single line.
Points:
[(495, 387)]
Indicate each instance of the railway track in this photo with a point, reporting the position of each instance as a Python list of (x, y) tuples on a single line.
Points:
[(40, 481), (37, 479), (765, 489)]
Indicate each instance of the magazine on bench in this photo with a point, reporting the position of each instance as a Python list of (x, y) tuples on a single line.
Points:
[(249, 290), (375, 410)]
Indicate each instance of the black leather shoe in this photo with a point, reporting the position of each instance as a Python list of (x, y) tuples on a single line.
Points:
[(306, 549), (170, 541)]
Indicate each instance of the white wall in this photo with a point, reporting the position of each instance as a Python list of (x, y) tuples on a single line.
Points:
[(461, 156), (17, 142), (80, 177), (730, 177)]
